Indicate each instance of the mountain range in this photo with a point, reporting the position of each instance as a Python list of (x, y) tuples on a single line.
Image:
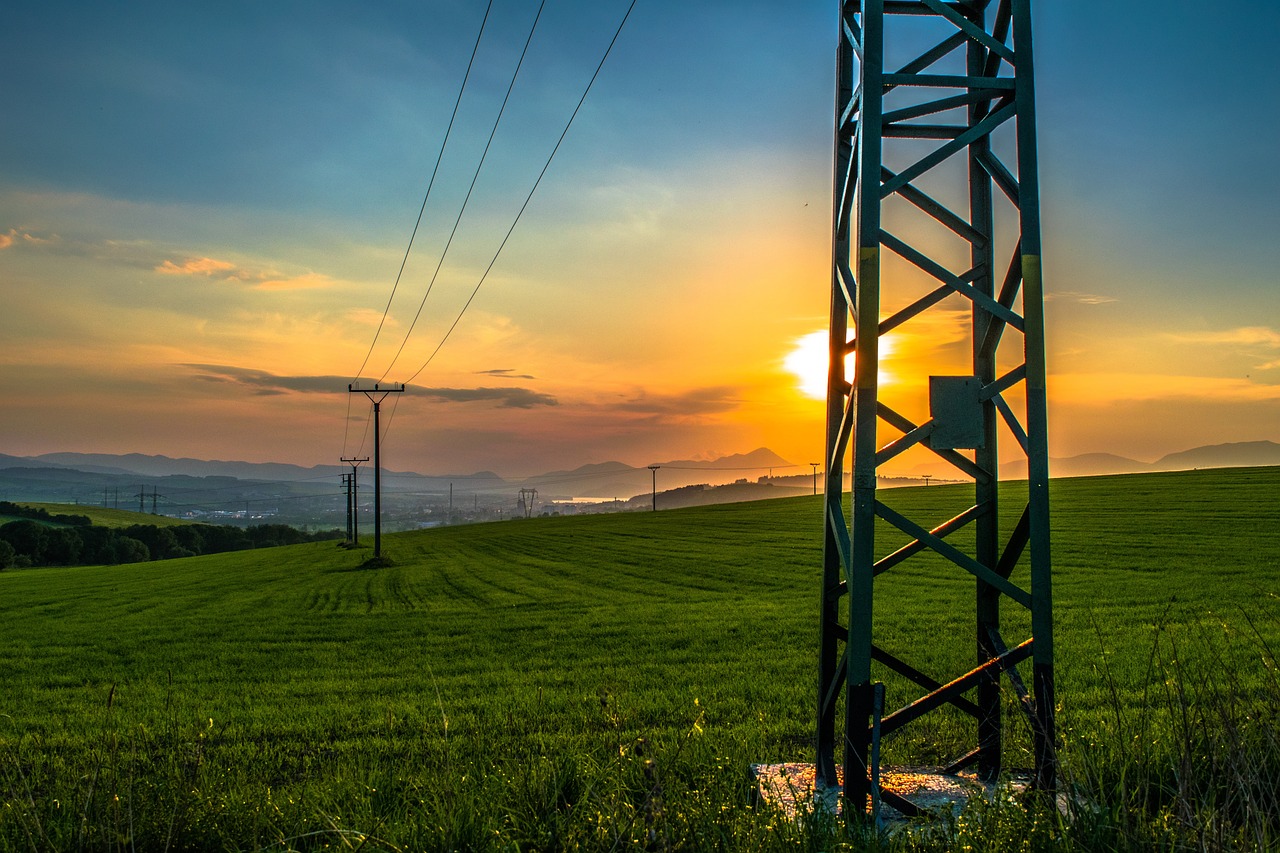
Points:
[(93, 472), (87, 476)]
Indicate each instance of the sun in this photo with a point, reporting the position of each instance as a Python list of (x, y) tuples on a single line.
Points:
[(808, 361)]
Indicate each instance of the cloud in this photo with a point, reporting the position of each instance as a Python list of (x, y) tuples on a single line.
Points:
[(1254, 340), (1247, 335), (370, 317), (306, 281), (263, 383), (196, 266), (506, 398), (505, 373), (1099, 389), (13, 235), (698, 401), (228, 271), (1078, 297)]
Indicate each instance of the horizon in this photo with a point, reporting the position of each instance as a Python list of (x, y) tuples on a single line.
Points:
[(786, 467), (202, 216)]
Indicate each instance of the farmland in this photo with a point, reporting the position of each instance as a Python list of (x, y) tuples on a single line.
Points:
[(598, 682)]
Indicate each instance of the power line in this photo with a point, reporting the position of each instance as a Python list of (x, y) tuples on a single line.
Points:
[(474, 177), (716, 468), (430, 184), (534, 189)]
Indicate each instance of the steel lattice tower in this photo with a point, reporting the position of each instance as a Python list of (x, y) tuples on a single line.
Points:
[(926, 151)]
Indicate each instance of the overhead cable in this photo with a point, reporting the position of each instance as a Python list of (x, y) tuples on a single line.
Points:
[(426, 196), (474, 177), (534, 189)]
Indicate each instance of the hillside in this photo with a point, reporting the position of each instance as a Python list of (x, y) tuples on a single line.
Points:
[(104, 517), (500, 674)]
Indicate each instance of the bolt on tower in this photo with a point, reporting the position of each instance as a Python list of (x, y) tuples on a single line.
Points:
[(936, 249)]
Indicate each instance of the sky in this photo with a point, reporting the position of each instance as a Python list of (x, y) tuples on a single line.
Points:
[(204, 209)]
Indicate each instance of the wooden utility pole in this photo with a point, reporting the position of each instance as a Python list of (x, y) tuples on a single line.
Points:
[(353, 497), (376, 395)]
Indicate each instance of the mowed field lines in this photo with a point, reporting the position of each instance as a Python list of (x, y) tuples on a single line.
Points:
[(505, 684)]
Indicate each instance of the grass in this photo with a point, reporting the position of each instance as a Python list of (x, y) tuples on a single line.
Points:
[(102, 516), (603, 682)]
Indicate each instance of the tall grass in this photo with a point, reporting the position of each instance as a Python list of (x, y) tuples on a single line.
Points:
[(1196, 764)]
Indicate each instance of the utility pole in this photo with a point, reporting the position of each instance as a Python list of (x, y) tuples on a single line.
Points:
[(346, 487), (965, 106), (654, 470), (376, 395), (353, 496), (815, 476), (142, 498)]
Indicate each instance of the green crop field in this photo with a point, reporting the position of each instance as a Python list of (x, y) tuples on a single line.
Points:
[(604, 682)]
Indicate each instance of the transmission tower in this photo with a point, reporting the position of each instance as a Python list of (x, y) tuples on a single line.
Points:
[(927, 150), (142, 496), (526, 501)]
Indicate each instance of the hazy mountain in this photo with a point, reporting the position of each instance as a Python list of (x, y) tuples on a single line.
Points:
[(1245, 454), (90, 476), (761, 457), (163, 466), (617, 479), (1241, 454), (1084, 465), (87, 474)]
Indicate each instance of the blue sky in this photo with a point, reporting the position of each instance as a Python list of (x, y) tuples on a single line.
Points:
[(203, 208)]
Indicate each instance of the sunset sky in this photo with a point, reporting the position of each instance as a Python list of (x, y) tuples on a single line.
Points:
[(204, 207)]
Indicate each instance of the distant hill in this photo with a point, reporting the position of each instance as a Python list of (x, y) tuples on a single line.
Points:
[(102, 517), (164, 466), (186, 483), (617, 479), (155, 466), (1244, 454)]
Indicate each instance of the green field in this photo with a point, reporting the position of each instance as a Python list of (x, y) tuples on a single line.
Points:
[(102, 516), (603, 682)]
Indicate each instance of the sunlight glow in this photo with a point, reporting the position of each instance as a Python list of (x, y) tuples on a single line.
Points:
[(808, 361)]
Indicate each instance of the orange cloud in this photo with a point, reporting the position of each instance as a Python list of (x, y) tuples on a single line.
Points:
[(1095, 389), (195, 266), (1250, 335), (306, 281), (9, 238)]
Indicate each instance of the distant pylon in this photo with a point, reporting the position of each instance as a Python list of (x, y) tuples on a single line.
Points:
[(527, 499)]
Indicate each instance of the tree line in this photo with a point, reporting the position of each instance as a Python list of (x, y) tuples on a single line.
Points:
[(39, 538)]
